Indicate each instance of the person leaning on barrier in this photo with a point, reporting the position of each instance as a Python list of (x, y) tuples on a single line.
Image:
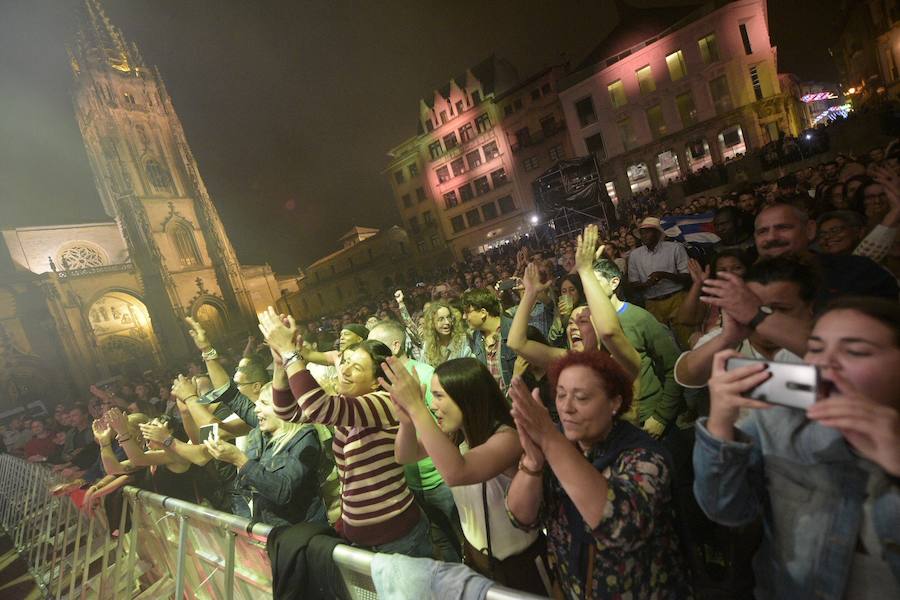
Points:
[(114, 463), (826, 481), (377, 508), (474, 446), (606, 499), (167, 473)]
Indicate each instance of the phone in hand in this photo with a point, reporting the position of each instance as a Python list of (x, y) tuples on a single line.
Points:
[(794, 385), (209, 432)]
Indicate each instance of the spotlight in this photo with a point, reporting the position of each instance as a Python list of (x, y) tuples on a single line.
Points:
[(809, 136), (534, 219)]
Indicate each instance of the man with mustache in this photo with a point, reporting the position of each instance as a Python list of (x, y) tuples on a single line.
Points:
[(785, 229)]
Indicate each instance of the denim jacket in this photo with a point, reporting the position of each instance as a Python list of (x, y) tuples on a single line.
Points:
[(284, 486), (810, 490), (507, 356)]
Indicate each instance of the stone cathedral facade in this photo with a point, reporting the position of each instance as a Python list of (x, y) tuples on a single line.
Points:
[(100, 299)]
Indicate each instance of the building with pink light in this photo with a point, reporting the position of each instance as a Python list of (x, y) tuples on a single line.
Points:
[(671, 91), (463, 182)]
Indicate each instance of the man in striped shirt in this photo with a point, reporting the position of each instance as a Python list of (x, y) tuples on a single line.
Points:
[(377, 508)]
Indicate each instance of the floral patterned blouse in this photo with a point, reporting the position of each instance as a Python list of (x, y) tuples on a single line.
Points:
[(636, 550)]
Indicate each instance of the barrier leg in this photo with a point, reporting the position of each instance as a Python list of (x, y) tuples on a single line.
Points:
[(74, 573), (182, 551), (60, 551), (229, 565)]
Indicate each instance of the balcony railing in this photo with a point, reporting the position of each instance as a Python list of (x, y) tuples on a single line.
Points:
[(87, 271), (463, 147)]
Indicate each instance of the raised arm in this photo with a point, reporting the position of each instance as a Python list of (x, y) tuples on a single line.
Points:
[(480, 464), (412, 329), (692, 311), (192, 453), (304, 400), (536, 353), (217, 373), (603, 315), (103, 433)]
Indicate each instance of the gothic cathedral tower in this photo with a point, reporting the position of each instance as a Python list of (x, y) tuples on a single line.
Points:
[(149, 183)]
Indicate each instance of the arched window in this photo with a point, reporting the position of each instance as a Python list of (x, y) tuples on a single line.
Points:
[(158, 175), (183, 239)]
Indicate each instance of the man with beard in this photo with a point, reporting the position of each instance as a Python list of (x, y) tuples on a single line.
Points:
[(784, 229)]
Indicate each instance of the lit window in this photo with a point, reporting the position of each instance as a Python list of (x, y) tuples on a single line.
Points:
[(183, 239), (498, 177), (490, 150), (611, 192), (617, 94), (686, 109), (458, 167), (450, 199), (656, 121), (645, 80), (718, 88), (443, 174), (677, 67), (627, 133), (709, 50)]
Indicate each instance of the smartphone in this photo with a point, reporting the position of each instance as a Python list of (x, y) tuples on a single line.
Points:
[(791, 384), (507, 284), (209, 432)]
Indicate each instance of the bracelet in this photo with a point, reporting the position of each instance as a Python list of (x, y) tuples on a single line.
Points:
[(527, 471), (191, 396), (123, 439), (210, 354), (289, 358)]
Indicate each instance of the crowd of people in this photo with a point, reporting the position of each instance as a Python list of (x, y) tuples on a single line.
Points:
[(566, 419)]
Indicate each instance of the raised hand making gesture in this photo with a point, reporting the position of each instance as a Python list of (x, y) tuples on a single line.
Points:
[(198, 334)]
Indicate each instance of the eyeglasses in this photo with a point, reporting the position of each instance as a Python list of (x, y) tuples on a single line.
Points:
[(832, 231)]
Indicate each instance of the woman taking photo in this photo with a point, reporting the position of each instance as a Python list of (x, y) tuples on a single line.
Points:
[(826, 481), (601, 487), (444, 337), (475, 449), (377, 509)]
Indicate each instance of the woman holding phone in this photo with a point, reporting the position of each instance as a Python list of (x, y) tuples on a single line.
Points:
[(826, 480)]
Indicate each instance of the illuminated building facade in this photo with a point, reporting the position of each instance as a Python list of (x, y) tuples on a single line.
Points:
[(671, 91), (108, 298), (456, 181)]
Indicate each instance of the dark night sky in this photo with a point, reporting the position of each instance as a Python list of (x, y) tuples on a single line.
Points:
[(290, 100)]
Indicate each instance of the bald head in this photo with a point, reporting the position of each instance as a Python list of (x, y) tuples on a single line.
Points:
[(783, 229), (392, 334)]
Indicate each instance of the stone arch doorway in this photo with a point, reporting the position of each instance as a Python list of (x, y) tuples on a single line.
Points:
[(124, 333)]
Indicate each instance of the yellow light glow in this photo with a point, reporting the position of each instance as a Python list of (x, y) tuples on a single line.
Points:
[(851, 90)]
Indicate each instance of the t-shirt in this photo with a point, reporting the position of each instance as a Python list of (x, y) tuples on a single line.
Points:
[(422, 475), (658, 394)]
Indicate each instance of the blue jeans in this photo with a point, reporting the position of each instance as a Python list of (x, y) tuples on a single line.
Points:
[(416, 543), (446, 532)]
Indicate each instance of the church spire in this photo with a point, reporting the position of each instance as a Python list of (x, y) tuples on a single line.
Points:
[(99, 41)]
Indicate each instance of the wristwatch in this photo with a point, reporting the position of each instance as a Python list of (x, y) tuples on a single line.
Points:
[(761, 314), (168, 441), (209, 354)]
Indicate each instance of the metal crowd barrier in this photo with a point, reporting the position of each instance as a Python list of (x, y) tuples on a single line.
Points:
[(160, 547)]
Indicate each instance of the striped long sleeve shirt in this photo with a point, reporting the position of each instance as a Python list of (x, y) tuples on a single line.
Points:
[(376, 505)]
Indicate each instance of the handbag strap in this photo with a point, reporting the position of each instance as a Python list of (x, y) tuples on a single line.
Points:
[(487, 526)]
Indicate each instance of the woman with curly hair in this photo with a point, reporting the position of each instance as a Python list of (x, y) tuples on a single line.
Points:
[(444, 336)]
